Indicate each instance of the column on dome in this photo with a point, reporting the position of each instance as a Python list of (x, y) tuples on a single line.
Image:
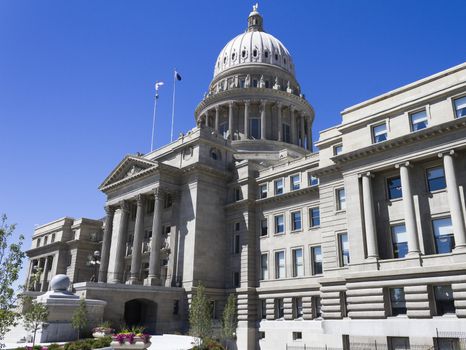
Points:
[(206, 118), (293, 125), (217, 115), (454, 201), (135, 274), (369, 216), (301, 119), (279, 117), (309, 133), (263, 122), (156, 244), (410, 216), (107, 238), (230, 120), (121, 243), (246, 119)]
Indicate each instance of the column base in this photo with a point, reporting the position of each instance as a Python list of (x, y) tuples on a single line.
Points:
[(152, 281), (134, 281)]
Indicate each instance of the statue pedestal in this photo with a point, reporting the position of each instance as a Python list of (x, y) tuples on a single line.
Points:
[(61, 305)]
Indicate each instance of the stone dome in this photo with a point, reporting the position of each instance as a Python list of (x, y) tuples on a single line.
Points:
[(253, 47)]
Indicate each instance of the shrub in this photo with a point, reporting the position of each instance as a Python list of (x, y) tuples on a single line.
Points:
[(209, 344), (101, 342), (54, 346)]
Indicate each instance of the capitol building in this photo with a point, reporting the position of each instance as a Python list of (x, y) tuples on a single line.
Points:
[(356, 238)]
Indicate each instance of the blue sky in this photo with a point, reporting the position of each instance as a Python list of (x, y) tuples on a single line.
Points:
[(76, 78)]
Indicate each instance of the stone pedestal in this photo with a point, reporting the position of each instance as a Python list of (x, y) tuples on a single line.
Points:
[(61, 305)]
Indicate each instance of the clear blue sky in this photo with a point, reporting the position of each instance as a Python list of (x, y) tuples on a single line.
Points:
[(76, 78)]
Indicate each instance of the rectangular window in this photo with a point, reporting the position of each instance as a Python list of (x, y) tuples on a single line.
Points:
[(279, 224), (38, 242), (297, 335), (298, 266), (280, 264), (397, 301), (394, 187), (343, 304), (236, 282), (313, 180), (263, 303), (444, 303), (316, 258), (255, 128), (264, 227), (46, 240), (237, 226), (314, 217), (263, 191), (236, 245), (344, 249), (399, 241), (278, 187), (238, 193), (338, 149), (436, 178), (398, 343), (418, 120), (341, 199), (52, 239), (264, 267), (295, 182), (379, 133), (317, 307), (460, 107), (279, 308), (296, 220), (298, 307), (443, 233), (286, 133)]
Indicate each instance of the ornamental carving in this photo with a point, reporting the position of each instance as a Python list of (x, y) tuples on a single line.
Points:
[(134, 170)]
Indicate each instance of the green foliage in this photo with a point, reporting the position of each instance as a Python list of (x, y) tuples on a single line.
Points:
[(88, 344), (101, 342), (34, 315), (79, 320), (200, 315), (134, 329), (11, 259), (229, 319), (209, 344), (54, 346)]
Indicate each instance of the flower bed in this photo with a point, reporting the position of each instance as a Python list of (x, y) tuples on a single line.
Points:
[(130, 340)]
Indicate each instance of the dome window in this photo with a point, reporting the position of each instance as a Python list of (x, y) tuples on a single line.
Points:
[(266, 54), (276, 57), (254, 83), (233, 55), (254, 53), (225, 60), (284, 60), (267, 84), (243, 53)]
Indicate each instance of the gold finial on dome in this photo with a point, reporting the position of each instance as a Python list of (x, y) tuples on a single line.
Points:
[(255, 20)]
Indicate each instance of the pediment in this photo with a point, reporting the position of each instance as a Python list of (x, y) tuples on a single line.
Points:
[(130, 167)]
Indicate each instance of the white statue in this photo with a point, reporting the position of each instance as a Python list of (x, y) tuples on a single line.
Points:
[(255, 7), (262, 82), (288, 88), (247, 81), (276, 85)]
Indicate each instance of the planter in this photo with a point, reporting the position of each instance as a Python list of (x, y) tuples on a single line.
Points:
[(130, 342), (101, 334)]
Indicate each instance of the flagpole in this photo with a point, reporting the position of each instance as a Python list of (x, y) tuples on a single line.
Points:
[(173, 104), (153, 117)]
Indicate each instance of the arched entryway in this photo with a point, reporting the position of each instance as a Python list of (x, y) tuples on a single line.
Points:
[(141, 312)]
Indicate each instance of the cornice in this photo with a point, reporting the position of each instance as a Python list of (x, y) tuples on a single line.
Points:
[(287, 195), (202, 168), (243, 203), (50, 247)]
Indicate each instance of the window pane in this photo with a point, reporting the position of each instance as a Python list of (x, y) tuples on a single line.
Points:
[(313, 181), (344, 249), (264, 227), (444, 238), (444, 300), (296, 220), (315, 217), (398, 302), (255, 127), (399, 241), (436, 179), (294, 180), (264, 267), (263, 191), (337, 150), (286, 133), (279, 264), (279, 224), (316, 254), (460, 105), (379, 133), (341, 198), (394, 187), (419, 120), (279, 186)]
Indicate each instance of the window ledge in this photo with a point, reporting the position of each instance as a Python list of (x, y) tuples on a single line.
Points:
[(314, 227), (436, 191), (279, 234), (297, 231), (264, 236), (340, 211)]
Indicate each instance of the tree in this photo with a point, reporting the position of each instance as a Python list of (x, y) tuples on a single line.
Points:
[(200, 315), (229, 320), (34, 314), (79, 320), (11, 259)]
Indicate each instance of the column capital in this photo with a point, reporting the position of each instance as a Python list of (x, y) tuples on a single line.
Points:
[(124, 206), (406, 164), (217, 108), (231, 104), (109, 210), (278, 104), (367, 174), (247, 103), (140, 200), (292, 108), (158, 193), (449, 153)]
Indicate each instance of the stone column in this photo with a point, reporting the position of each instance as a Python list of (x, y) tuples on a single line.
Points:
[(28, 281), (172, 261), (454, 201), (293, 126), (369, 217), (156, 244), (43, 286), (107, 239), (280, 126), (121, 243), (206, 117), (303, 133), (217, 115), (263, 122), (246, 120), (137, 242), (410, 216), (230, 120), (309, 134)]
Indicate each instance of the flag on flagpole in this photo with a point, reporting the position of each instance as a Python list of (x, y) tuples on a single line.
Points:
[(177, 76), (157, 85)]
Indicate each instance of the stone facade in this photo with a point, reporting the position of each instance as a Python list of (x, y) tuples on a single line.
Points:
[(361, 242)]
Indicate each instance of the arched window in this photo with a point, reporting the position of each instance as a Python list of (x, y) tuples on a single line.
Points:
[(215, 154), (233, 55), (243, 53), (224, 59), (254, 53), (284, 60), (276, 57), (266, 54)]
